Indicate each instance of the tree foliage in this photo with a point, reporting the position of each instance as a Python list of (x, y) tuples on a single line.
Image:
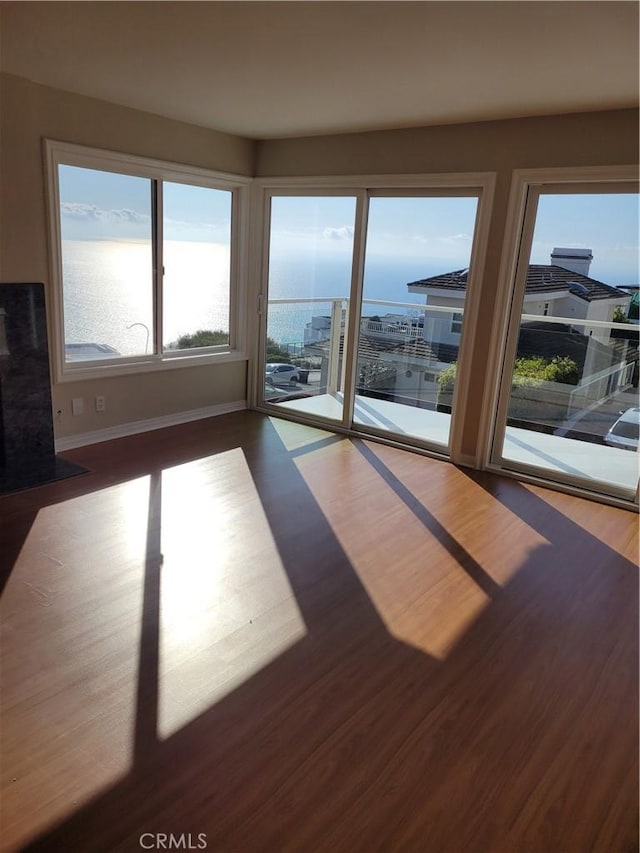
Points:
[(203, 338), (218, 337)]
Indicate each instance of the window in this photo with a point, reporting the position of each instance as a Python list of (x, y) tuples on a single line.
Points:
[(197, 266), (456, 323), (145, 262), (569, 371)]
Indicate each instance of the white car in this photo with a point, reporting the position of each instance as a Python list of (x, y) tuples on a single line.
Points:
[(625, 432), (282, 374)]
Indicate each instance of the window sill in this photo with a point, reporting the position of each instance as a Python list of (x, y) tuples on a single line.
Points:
[(174, 362)]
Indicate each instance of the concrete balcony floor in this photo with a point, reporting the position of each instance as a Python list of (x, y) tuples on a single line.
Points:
[(553, 454)]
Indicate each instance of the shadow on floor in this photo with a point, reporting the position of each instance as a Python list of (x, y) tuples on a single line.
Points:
[(353, 741)]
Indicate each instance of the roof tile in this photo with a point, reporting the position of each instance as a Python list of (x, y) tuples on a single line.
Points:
[(541, 278)]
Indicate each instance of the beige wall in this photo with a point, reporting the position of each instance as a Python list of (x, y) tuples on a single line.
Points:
[(149, 395), (28, 114), (583, 139)]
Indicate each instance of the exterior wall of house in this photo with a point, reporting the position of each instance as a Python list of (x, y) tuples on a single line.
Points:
[(441, 327), (30, 113), (603, 310), (572, 307), (411, 383), (539, 308), (541, 304)]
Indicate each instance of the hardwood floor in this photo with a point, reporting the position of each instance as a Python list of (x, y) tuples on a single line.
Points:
[(286, 640)]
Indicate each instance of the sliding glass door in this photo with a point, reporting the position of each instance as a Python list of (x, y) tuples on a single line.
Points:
[(569, 408), (364, 297), (416, 273)]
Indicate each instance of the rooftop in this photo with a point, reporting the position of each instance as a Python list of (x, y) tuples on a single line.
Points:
[(541, 278)]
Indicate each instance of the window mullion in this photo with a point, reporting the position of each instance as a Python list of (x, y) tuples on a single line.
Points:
[(354, 306), (158, 265)]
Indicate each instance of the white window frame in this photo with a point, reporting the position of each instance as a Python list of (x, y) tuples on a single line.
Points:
[(61, 153), (518, 238), (479, 184)]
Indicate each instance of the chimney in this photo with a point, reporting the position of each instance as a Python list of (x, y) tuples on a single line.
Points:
[(576, 260)]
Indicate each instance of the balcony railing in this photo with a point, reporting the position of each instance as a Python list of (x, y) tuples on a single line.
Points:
[(391, 339)]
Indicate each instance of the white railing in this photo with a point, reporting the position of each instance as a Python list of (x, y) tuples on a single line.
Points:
[(412, 322), (415, 321), (386, 330), (601, 386)]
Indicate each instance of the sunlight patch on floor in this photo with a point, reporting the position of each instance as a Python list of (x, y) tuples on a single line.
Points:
[(180, 565), (414, 555), (70, 619), (227, 608), (295, 436)]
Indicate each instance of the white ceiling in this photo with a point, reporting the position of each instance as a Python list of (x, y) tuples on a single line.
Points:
[(275, 69)]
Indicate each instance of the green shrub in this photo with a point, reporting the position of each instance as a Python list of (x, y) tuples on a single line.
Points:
[(203, 338), (212, 338), (530, 371), (535, 369), (447, 379), (619, 315), (276, 352)]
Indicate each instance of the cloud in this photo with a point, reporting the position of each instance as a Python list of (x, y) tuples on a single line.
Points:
[(445, 239), (343, 233), (456, 238), (92, 213)]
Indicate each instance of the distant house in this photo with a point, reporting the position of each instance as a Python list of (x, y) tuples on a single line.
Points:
[(401, 357), (562, 288)]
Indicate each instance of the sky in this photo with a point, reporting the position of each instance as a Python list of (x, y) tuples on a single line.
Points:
[(606, 224), (425, 228), (98, 205), (438, 232)]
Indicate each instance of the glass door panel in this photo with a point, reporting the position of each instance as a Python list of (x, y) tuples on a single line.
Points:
[(569, 408), (309, 280), (417, 258)]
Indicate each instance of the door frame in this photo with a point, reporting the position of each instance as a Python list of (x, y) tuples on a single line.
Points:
[(526, 187), (480, 184)]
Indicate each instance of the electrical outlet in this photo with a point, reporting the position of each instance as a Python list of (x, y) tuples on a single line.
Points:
[(101, 404), (77, 406)]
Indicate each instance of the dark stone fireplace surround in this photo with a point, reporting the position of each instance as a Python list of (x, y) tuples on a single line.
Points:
[(27, 452)]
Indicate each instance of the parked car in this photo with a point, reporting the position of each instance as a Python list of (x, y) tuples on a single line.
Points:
[(282, 374), (625, 432)]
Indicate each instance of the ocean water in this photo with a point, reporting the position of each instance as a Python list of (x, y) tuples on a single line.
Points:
[(385, 279), (108, 293)]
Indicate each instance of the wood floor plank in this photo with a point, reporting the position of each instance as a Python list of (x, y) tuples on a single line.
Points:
[(293, 641)]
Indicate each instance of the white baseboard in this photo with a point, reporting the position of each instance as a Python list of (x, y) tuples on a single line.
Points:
[(122, 430)]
